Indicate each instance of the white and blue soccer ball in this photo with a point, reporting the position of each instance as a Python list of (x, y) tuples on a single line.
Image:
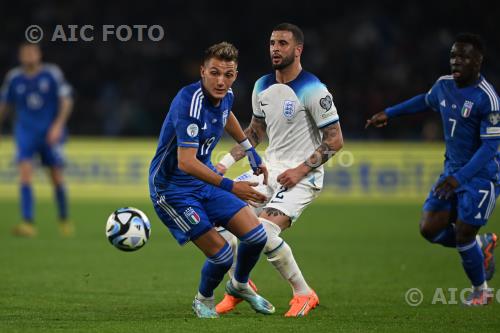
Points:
[(128, 229)]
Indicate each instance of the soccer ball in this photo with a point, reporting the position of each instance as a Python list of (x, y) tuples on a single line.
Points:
[(128, 229)]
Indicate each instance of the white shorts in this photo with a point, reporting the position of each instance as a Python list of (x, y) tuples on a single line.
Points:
[(292, 201)]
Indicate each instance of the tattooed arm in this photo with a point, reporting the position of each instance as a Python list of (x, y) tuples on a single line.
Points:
[(255, 132), (331, 143)]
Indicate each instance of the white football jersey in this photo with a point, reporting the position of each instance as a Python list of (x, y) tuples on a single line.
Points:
[(294, 114)]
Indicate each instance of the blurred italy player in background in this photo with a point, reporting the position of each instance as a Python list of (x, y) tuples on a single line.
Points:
[(297, 112), (191, 198), (463, 199), (41, 99)]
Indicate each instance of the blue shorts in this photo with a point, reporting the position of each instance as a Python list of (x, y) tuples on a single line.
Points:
[(474, 201), (51, 156), (189, 213)]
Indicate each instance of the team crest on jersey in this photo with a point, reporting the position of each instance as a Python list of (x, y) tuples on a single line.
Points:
[(466, 109), (494, 118), (192, 216), (20, 89), (44, 85), (192, 130), (289, 109), (225, 114), (326, 102)]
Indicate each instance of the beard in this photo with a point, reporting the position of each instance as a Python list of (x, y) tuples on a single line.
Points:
[(285, 62)]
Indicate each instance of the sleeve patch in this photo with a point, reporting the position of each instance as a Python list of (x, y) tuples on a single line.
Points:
[(326, 102), (494, 118), (192, 130)]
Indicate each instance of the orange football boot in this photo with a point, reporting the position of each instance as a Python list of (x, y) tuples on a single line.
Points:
[(300, 305)]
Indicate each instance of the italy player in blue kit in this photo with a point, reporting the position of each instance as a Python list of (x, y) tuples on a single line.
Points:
[(464, 197), (41, 99), (191, 198)]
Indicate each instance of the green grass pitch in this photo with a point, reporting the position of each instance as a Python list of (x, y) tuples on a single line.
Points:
[(361, 258)]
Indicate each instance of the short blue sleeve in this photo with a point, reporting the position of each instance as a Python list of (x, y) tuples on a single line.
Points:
[(490, 124), (62, 86), (431, 98), (186, 123)]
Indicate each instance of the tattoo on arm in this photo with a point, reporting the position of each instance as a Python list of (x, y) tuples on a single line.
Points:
[(327, 147), (255, 133)]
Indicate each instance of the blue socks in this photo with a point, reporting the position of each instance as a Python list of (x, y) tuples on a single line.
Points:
[(251, 245), (27, 203), (446, 237), (472, 260), (214, 269), (62, 203)]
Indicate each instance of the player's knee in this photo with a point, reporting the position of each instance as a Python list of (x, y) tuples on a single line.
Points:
[(426, 232), (274, 241), (223, 258)]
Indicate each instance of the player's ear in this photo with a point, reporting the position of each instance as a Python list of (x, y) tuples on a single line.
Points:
[(202, 71), (298, 50)]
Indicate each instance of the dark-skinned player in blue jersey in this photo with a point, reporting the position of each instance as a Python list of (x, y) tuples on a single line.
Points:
[(463, 198)]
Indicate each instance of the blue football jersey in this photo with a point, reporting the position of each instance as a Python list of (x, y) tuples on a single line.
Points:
[(192, 121), (35, 99), (469, 115)]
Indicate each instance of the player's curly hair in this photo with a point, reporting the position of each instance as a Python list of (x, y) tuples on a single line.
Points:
[(223, 51), (475, 40)]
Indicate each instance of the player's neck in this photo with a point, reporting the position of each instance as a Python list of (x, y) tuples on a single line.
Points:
[(32, 70), (288, 73), (472, 81)]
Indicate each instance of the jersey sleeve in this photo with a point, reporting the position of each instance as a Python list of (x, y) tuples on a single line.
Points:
[(490, 118), (62, 86), (257, 111), (431, 98), (320, 104), (186, 123), (6, 91)]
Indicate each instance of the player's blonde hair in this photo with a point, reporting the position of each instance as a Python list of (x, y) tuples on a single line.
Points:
[(223, 51)]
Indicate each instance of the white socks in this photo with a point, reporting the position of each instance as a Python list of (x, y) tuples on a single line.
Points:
[(280, 255), (233, 242)]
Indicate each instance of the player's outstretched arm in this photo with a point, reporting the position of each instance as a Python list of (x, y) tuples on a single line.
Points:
[(188, 163), (331, 143), (413, 105)]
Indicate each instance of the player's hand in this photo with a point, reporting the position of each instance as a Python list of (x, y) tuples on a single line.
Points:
[(54, 134), (245, 191), (378, 120), (289, 178), (221, 168), (446, 188), (262, 170)]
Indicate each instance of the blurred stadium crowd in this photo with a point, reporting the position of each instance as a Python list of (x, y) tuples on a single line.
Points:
[(370, 54)]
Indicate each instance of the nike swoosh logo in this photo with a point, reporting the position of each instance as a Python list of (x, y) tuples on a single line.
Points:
[(204, 126), (262, 104)]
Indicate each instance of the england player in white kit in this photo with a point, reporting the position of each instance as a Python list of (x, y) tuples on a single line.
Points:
[(297, 113)]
